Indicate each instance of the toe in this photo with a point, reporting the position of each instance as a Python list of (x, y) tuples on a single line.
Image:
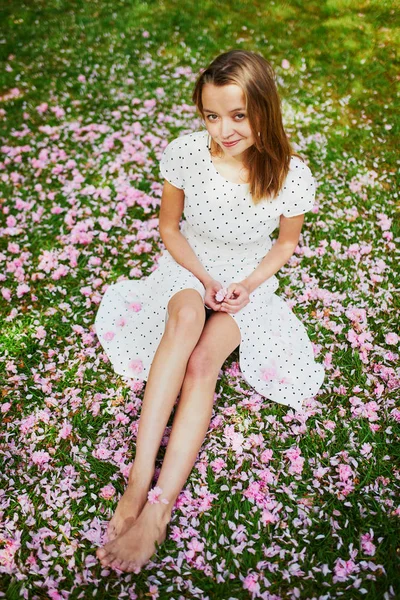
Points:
[(111, 534), (109, 546), (101, 553), (116, 564), (107, 559), (110, 528), (133, 567), (124, 565)]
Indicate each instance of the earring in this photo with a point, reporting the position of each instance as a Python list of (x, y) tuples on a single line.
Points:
[(259, 133), (209, 142)]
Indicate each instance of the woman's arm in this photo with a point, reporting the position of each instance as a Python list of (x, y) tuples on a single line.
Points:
[(281, 251), (172, 203)]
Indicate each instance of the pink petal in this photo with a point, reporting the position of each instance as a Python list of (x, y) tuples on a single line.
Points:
[(109, 335)]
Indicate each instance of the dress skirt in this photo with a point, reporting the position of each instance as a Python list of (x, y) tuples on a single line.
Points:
[(275, 354)]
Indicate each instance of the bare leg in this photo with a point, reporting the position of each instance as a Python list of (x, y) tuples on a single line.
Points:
[(183, 329), (136, 545), (220, 337)]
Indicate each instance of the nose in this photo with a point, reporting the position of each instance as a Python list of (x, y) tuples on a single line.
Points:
[(226, 129)]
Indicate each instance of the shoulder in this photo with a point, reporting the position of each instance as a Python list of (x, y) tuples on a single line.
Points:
[(187, 140), (299, 171), (177, 156), (300, 191)]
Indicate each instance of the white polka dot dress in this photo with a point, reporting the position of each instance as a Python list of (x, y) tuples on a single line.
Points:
[(230, 236)]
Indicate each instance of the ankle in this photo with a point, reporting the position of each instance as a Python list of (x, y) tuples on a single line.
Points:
[(160, 505), (141, 475)]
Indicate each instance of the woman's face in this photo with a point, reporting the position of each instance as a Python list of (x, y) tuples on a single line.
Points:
[(226, 117)]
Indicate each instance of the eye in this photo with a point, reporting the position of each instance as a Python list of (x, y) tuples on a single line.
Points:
[(237, 115)]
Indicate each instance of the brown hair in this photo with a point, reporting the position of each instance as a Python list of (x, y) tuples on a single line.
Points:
[(268, 159)]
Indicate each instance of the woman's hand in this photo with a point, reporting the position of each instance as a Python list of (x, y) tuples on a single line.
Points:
[(212, 287), (237, 297)]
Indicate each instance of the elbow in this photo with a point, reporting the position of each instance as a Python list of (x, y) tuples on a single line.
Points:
[(288, 248), (167, 232)]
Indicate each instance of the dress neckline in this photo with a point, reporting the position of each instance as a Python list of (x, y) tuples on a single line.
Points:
[(214, 167)]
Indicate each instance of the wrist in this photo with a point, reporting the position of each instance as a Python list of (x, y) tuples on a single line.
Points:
[(206, 280), (247, 284)]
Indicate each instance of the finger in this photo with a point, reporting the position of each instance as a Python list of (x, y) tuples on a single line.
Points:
[(233, 301), (230, 311), (216, 306), (241, 298), (229, 307), (234, 308), (231, 291)]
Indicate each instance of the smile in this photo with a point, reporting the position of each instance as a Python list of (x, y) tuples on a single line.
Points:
[(228, 145)]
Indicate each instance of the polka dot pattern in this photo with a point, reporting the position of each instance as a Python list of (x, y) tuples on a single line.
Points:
[(230, 235)]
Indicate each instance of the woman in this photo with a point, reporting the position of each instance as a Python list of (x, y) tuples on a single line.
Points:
[(213, 290)]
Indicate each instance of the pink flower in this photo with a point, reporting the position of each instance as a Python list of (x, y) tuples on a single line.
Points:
[(109, 336), (194, 546), (345, 472), (6, 293), (55, 595), (135, 306), (392, 338), (366, 544), (102, 453), (136, 365), (42, 107), (366, 450), (65, 430), (154, 494), (107, 492), (221, 294), (344, 568), (268, 517), (296, 465), (121, 322), (293, 453), (40, 457), (40, 332), (250, 583), (266, 456), (22, 289), (13, 247), (218, 464), (268, 374), (285, 64)]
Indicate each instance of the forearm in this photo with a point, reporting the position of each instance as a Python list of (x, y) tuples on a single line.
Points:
[(180, 249), (270, 264)]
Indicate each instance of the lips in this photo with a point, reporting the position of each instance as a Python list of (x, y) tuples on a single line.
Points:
[(230, 143)]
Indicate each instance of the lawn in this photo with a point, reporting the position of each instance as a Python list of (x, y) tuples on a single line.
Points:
[(279, 505)]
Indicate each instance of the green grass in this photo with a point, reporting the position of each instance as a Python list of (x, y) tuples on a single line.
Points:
[(339, 99)]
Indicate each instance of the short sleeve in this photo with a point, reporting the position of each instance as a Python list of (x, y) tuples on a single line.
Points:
[(171, 164), (301, 195)]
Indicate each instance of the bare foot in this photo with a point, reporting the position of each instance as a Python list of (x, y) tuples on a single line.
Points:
[(133, 548), (129, 506)]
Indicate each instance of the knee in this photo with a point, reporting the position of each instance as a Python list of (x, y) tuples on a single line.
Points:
[(201, 365), (184, 317)]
